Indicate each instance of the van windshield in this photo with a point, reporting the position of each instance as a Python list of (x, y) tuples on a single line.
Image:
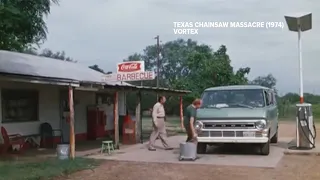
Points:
[(236, 98)]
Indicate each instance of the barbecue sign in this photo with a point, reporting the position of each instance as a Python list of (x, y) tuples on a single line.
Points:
[(130, 71), (134, 76)]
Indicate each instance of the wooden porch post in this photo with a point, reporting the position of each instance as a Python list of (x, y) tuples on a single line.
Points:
[(181, 109), (72, 136), (116, 120), (138, 123)]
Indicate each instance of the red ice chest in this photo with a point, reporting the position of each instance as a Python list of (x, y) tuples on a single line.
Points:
[(128, 131)]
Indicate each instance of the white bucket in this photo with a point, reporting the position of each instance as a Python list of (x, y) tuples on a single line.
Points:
[(63, 151)]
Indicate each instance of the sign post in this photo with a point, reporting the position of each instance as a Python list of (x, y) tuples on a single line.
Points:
[(300, 23)]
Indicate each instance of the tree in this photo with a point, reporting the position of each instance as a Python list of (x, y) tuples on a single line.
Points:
[(97, 68), (185, 64), (266, 81), (181, 58), (22, 23), (60, 55)]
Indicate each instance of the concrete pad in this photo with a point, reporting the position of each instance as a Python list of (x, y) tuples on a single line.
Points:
[(215, 156), (312, 152)]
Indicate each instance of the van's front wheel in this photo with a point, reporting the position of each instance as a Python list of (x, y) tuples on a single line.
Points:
[(265, 148), (274, 139), (201, 148)]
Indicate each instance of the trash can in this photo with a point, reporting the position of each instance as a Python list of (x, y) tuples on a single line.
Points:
[(63, 151)]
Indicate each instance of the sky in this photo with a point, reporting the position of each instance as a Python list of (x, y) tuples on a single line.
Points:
[(105, 32)]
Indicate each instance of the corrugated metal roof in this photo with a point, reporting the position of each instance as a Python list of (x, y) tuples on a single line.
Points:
[(31, 65)]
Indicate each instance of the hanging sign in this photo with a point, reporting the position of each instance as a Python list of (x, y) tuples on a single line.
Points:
[(130, 76), (130, 71), (130, 66)]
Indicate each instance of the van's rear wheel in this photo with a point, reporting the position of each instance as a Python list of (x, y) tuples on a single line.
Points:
[(201, 148)]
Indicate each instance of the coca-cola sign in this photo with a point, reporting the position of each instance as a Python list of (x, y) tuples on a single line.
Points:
[(131, 66)]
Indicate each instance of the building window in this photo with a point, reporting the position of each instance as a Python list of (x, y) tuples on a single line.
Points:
[(19, 105), (104, 98)]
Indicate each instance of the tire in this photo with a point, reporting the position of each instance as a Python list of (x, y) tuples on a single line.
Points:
[(265, 148), (274, 139), (201, 148)]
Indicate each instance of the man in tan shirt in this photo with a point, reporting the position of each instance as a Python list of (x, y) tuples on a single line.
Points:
[(159, 126)]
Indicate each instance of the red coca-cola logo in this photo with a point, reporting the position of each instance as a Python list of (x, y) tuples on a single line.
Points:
[(129, 67)]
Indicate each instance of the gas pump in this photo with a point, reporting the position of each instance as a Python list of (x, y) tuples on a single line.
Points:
[(305, 127)]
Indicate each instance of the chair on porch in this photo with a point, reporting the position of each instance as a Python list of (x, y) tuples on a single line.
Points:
[(11, 141), (48, 133)]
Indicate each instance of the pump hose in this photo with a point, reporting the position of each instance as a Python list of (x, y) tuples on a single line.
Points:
[(313, 136)]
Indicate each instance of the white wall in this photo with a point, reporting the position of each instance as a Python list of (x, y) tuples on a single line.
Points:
[(108, 109), (49, 108), (82, 99)]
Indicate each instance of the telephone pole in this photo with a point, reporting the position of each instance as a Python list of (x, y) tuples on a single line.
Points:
[(158, 61)]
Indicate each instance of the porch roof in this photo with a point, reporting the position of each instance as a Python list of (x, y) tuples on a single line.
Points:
[(20, 64), (37, 68), (154, 89)]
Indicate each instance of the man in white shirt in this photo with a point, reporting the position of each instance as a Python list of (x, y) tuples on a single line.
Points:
[(159, 126)]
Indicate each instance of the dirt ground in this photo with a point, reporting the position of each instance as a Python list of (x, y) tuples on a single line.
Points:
[(290, 167)]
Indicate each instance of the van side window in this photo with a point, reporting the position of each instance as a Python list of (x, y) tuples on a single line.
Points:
[(271, 98), (274, 100), (266, 95)]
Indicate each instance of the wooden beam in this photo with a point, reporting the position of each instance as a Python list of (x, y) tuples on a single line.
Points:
[(72, 136), (116, 119), (138, 119)]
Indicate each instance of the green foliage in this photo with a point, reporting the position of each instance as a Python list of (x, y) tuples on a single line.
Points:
[(22, 23), (45, 169), (266, 81), (316, 111), (287, 104), (59, 55), (97, 68), (185, 64)]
